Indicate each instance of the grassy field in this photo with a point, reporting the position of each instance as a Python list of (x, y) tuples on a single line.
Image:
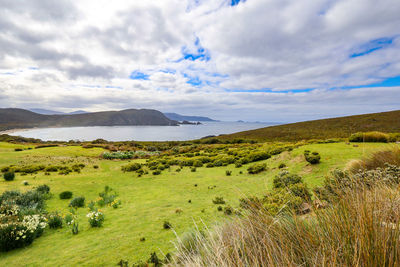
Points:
[(147, 201), (341, 127)]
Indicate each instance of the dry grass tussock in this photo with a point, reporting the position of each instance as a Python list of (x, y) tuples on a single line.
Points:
[(361, 227), (376, 160)]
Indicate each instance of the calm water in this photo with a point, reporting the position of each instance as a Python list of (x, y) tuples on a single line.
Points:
[(139, 133)]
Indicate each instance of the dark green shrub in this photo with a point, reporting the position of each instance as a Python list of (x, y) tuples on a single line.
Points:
[(55, 221), (95, 166), (313, 158), (285, 179), (156, 172), (219, 208), (77, 202), (18, 149), (193, 169), (43, 189), (66, 195), (228, 210), (197, 163), (282, 165), (9, 176), (257, 168), (228, 173), (218, 200), (167, 225), (51, 169)]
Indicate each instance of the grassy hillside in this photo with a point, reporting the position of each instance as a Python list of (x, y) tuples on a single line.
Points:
[(19, 118), (147, 201), (341, 127)]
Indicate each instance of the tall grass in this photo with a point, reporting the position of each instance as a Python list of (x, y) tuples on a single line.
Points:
[(362, 228), (376, 160), (370, 137)]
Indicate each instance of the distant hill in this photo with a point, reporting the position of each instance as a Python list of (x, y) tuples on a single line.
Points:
[(53, 112), (45, 111), (178, 117), (11, 118), (326, 128)]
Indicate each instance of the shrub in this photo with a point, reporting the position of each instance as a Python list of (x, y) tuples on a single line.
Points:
[(369, 137), (66, 195), (219, 208), (312, 158), (77, 202), (167, 225), (193, 169), (228, 210), (285, 179), (257, 168), (282, 165), (18, 149), (55, 221), (228, 173), (43, 189), (17, 228), (218, 200), (96, 218), (9, 176), (156, 172), (95, 166), (376, 160), (131, 167)]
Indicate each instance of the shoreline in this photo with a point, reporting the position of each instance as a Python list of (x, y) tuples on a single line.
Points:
[(11, 131)]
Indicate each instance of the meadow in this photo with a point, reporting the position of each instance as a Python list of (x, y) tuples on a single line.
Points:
[(136, 228)]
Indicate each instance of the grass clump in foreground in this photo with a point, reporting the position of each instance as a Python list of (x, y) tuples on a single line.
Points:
[(375, 160), (360, 227)]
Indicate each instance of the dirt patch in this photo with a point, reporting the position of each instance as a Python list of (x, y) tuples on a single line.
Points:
[(307, 169), (285, 155), (298, 159)]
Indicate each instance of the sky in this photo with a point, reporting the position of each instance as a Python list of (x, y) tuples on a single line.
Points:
[(253, 60)]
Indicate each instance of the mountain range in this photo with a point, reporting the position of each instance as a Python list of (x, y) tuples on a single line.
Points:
[(11, 118), (171, 116)]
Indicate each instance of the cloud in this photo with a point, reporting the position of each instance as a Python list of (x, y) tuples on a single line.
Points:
[(253, 60)]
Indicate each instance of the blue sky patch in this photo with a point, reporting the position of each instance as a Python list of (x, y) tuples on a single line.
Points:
[(199, 53), (372, 46), (388, 82), (268, 90), (137, 75), (193, 80), (236, 2)]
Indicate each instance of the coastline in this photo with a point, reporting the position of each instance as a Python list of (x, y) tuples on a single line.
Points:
[(11, 131)]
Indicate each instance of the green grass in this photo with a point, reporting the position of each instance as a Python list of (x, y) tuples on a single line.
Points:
[(147, 201), (341, 127)]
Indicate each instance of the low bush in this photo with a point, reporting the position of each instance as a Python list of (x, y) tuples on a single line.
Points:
[(228, 210), (66, 195), (228, 173), (96, 218), (43, 189), (312, 158), (18, 149), (218, 200), (167, 225), (131, 167), (77, 202), (55, 220), (257, 168), (9, 176), (369, 137)]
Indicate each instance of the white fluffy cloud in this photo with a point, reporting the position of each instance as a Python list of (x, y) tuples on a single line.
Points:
[(250, 61)]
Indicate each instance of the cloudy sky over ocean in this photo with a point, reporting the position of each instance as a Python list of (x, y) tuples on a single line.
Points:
[(265, 60)]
